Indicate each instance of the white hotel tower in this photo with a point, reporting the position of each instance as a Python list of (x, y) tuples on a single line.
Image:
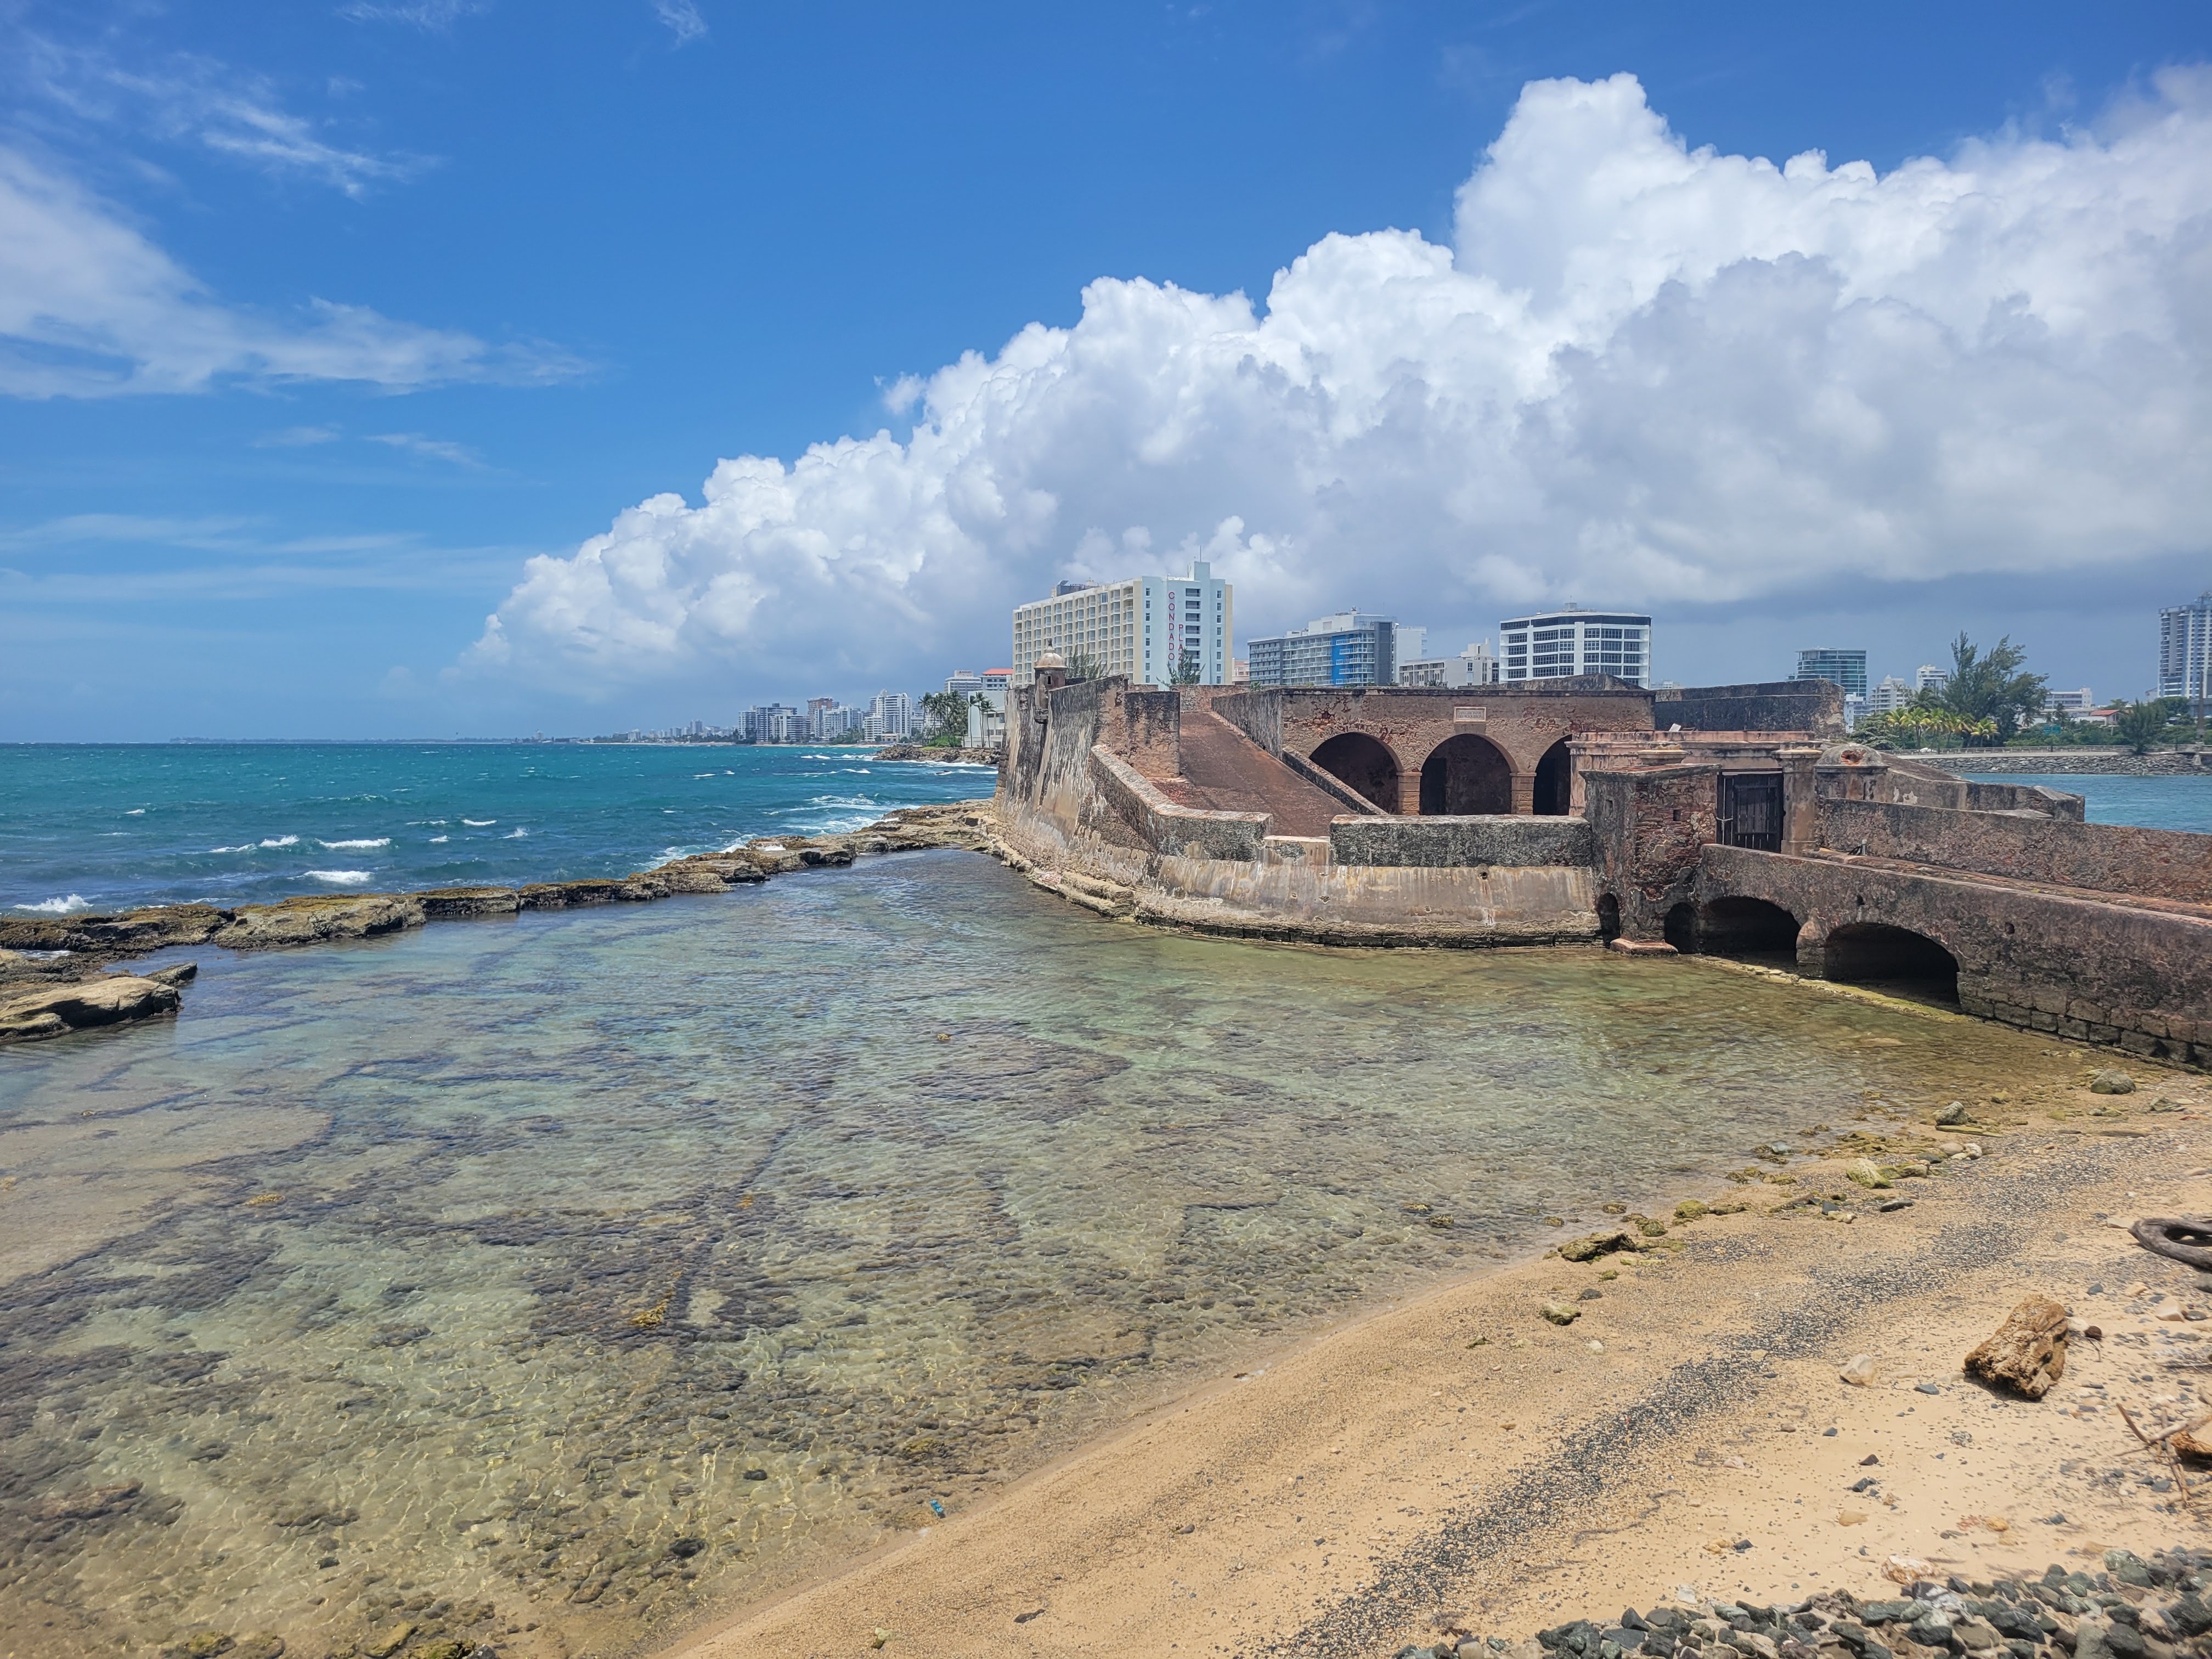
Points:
[(1141, 628)]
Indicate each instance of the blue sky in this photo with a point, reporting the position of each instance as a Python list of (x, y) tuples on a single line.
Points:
[(326, 318)]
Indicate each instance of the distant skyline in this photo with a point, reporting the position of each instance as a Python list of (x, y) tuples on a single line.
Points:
[(329, 331)]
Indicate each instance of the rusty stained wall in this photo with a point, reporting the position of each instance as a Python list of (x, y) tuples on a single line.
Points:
[(2082, 967), (1523, 722), (2107, 858), (1650, 828)]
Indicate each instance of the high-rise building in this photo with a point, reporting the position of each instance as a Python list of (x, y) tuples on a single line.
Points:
[(1843, 668), (774, 722), (1555, 644), (1149, 627), (890, 715), (963, 681), (1352, 647), (1929, 678), (986, 710), (1892, 695), (2184, 652), (1474, 667)]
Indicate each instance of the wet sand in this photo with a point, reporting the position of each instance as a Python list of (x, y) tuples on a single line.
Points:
[(1457, 1459)]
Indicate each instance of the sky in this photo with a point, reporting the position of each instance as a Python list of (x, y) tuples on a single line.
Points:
[(396, 367)]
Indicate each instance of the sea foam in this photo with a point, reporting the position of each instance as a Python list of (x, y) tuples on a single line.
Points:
[(480, 824), (282, 841), (340, 846), (59, 907), (339, 878)]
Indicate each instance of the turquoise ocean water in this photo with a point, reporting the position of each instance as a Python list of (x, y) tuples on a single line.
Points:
[(89, 827), (2183, 803)]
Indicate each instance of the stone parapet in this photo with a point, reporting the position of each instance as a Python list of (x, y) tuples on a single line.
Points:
[(1456, 844)]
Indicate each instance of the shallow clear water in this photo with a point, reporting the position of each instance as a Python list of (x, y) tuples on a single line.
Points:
[(2169, 803), (462, 1277), (106, 826)]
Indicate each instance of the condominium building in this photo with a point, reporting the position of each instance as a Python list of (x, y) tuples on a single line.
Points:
[(1555, 644), (1155, 629), (1886, 698), (1844, 668), (890, 715), (2184, 651), (962, 681), (1475, 665), (1349, 649), (986, 710), (1929, 678), (774, 722)]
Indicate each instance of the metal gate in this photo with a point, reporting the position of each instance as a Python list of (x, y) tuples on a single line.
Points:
[(1751, 810)]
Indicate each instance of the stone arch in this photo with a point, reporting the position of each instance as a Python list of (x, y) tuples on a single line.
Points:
[(1752, 929), (1555, 781), (1362, 764), (1608, 918), (1466, 775), (1874, 952)]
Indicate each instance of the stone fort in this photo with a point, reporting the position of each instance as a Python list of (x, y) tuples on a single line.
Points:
[(1734, 820)]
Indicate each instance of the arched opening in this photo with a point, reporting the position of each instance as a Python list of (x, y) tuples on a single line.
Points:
[(1466, 776), (1361, 762), (1679, 929), (1608, 918), (1894, 959), (1750, 930), (1555, 781)]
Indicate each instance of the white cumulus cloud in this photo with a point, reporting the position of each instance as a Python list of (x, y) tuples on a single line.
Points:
[(1642, 373)]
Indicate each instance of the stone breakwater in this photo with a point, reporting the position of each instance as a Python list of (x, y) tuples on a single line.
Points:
[(2133, 1609), (53, 977), (2077, 763)]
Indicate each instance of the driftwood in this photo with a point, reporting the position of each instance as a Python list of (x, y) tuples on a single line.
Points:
[(2026, 1354), (2186, 1239), (2168, 1446)]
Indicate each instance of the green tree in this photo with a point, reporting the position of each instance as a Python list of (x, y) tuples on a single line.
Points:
[(944, 717), (1185, 671), (1992, 689), (1082, 666), (1923, 725), (2139, 725)]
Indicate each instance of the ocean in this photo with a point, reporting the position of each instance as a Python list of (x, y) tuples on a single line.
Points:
[(104, 827), (2167, 803)]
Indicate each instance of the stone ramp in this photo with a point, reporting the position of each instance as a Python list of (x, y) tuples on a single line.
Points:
[(1225, 771)]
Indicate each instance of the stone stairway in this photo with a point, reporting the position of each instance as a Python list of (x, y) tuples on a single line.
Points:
[(1225, 771)]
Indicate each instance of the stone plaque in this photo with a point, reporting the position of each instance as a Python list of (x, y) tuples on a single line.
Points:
[(1468, 714)]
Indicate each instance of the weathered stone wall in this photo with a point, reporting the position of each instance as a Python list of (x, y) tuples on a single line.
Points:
[(1522, 722), (1811, 706), (2107, 858), (1165, 826), (1447, 843), (1257, 714), (1650, 827), (2100, 971)]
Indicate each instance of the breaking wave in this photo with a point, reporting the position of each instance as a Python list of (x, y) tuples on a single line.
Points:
[(339, 878), (345, 846), (480, 824), (59, 907), (282, 841)]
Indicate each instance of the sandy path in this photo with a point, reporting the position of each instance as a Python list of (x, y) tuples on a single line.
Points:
[(1458, 1455)]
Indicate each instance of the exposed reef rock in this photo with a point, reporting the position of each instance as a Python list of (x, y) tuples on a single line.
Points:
[(110, 999), (52, 981)]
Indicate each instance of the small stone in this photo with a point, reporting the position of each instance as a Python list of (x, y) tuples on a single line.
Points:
[(1952, 1115), (389, 1642), (1591, 1294), (756, 1474), (1926, 1388), (2110, 1080), (1560, 1314), (1890, 1207), (1689, 1209), (1866, 1172), (1859, 1371)]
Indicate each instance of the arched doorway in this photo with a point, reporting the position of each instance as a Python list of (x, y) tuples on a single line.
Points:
[(1750, 930), (1680, 928), (1555, 781), (1894, 959), (1363, 764), (1466, 776), (1608, 918)]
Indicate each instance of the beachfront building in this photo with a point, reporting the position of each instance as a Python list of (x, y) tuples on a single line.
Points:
[(1886, 698), (1145, 627), (987, 709), (1929, 678), (890, 715), (1845, 668), (1352, 647), (1476, 665), (2184, 652), (774, 722), (1553, 645)]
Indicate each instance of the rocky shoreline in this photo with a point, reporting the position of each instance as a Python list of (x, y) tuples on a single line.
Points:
[(53, 971), (962, 756), (2134, 1609)]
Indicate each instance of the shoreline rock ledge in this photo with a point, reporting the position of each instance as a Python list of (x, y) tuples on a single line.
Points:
[(53, 977)]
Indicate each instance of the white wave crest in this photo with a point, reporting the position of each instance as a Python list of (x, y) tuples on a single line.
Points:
[(339, 878), (282, 841), (346, 845), (514, 835), (480, 824), (435, 840), (135, 812), (59, 907)]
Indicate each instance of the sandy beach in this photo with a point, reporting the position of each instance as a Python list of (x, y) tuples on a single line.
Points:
[(1459, 1460)]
